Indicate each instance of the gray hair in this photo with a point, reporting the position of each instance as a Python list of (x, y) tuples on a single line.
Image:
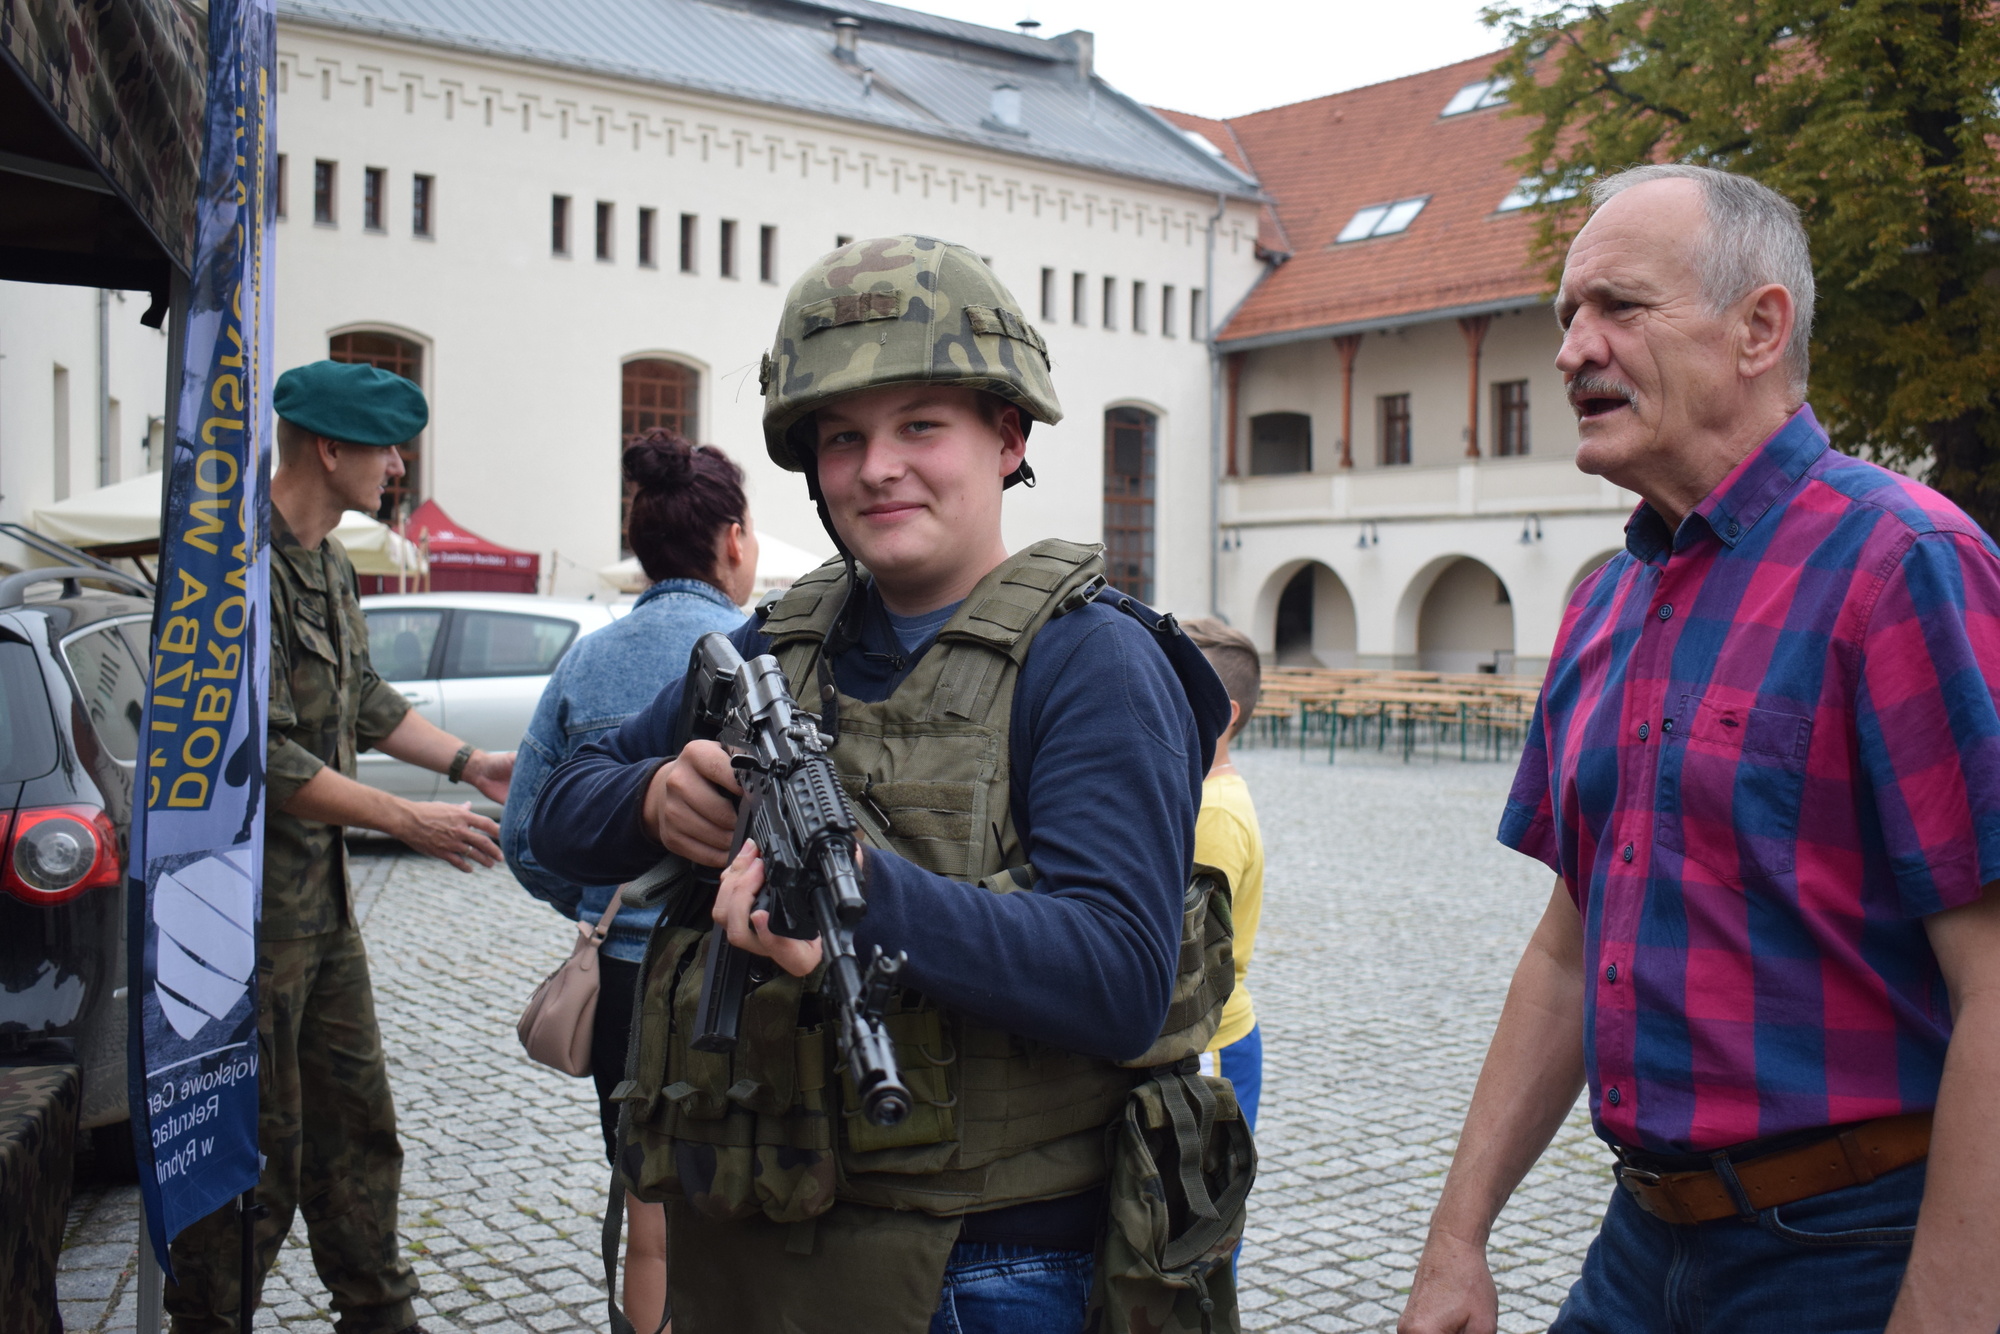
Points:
[(1754, 238)]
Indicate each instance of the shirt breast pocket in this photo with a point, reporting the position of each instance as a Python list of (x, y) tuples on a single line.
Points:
[(1731, 781), (312, 636)]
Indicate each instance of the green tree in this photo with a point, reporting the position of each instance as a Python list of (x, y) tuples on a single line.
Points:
[(1878, 118)]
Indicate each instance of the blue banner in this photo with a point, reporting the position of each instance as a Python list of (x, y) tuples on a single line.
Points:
[(195, 871)]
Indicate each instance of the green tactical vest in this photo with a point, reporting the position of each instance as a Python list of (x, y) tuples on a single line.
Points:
[(998, 1119)]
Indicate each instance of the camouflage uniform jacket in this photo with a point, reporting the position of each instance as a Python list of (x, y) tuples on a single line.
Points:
[(326, 705)]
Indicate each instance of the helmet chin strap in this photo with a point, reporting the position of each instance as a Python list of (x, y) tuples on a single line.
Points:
[(845, 632)]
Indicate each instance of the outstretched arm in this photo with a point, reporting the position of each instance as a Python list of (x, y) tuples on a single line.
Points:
[(1533, 1072)]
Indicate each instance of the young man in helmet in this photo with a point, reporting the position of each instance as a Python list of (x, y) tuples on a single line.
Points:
[(1000, 731)]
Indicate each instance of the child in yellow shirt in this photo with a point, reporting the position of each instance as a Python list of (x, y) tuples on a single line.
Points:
[(1226, 837)]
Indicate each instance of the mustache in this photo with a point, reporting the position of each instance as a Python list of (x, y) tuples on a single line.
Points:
[(1588, 386)]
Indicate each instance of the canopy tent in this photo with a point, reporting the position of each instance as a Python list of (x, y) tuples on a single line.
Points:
[(123, 519), (778, 564), (462, 561), (100, 126)]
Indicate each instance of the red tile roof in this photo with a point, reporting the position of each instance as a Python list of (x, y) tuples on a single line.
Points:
[(1322, 160)]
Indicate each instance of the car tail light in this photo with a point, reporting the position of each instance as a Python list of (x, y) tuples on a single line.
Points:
[(54, 853)]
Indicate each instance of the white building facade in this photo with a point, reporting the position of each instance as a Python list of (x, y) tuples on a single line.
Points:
[(82, 392), (1399, 482), (564, 235)]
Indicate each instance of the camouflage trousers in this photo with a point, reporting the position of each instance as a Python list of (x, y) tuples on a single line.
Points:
[(327, 1129)]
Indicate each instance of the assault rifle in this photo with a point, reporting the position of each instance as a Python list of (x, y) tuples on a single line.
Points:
[(795, 809)]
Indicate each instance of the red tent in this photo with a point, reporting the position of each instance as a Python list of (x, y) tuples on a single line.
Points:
[(465, 562)]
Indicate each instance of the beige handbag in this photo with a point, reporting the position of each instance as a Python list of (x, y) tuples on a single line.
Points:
[(555, 1028)]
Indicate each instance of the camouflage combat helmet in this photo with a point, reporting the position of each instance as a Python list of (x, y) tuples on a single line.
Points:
[(899, 310)]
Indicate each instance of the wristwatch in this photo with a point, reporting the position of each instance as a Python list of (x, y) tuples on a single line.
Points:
[(458, 762)]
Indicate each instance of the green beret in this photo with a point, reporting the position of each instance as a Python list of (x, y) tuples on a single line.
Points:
[(352, 402)]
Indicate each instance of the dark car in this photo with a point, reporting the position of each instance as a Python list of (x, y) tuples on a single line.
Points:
[(72, 684)]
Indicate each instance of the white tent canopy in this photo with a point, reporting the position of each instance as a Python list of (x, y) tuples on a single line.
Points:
[(778, 564), (129, 511)]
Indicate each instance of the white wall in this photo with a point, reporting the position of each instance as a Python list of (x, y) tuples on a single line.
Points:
[(43, 327), (524, 348)]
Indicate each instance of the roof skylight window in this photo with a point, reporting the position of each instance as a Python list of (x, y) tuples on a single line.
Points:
[(1202, 141), (1476, 97), (1529, 191), (1382, 219)]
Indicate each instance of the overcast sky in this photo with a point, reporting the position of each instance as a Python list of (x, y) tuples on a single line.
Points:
[(1217, 60)]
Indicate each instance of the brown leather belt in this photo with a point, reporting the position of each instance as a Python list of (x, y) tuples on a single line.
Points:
[(1853, 1157)]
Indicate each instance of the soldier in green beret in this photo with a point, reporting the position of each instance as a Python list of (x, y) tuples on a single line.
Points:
[(326, 1124), (1025, 749)]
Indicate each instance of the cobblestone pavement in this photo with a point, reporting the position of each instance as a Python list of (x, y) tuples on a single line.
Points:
[(1392, 923)]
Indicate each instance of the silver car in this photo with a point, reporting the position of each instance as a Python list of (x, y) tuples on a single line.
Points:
[(474, 664)]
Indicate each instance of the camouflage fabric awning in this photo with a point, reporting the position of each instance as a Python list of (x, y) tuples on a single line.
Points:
[(101, 106)]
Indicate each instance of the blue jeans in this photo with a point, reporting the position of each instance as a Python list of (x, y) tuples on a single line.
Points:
[(1830, 1264), (1242, 1063), (995, 1289)]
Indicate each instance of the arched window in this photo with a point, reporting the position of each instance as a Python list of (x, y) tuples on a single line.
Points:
[(660, 393), (402, 357), (655, 392), (1280, 442), (1129, 436)]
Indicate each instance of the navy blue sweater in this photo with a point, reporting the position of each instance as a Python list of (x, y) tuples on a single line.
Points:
[(1107, 756)]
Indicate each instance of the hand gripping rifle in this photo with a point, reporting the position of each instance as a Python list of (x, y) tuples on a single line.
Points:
[(795, 809)]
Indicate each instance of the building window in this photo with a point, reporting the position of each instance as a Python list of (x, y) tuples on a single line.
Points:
[(559, 225), (649, 223), (1280, 442), (1476, 97), (60, 432), (1167, 311), (1111, 306), (1079, 299), (373, 187), (688, 225), (1530, 190), (278, 183), (1048, 296), (1382, 219), (1128, 500), (767, 254), (1197, 328), (655, 392), (1510, 418), (725, 249), (1138, 307), (401, 357), (1393, 425), (423, 190), (323, 193), (605, 213)]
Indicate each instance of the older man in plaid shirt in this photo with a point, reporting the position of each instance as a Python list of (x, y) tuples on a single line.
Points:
[(1766, 770)]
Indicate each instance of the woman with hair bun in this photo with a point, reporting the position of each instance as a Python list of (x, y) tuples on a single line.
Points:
[(689, 525)]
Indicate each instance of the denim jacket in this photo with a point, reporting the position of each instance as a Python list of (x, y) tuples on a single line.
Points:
[(604, 679)]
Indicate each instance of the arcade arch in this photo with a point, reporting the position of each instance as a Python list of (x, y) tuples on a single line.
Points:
[(1306, 615), (1465, 622)]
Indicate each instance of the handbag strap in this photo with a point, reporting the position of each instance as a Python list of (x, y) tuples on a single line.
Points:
[(604, 922)]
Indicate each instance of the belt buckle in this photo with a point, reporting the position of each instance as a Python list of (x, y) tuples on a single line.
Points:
[(1626, 1172), (1621, 1170)]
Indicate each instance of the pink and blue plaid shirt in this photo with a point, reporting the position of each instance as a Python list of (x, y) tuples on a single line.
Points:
[(1767, 748)]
